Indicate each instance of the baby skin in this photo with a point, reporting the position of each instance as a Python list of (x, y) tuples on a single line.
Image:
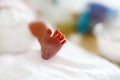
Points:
[(51, 42)]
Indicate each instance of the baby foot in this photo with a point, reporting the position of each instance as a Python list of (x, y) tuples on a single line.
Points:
[(52, 44)]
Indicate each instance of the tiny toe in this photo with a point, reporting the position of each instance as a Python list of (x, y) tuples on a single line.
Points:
[(63, 42), (59, 35), (55, 33), (62, 37), (49, 31)]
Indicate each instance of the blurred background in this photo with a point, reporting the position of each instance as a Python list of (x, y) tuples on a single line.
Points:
[(91, 24)]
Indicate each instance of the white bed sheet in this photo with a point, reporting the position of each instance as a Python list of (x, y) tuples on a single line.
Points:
[(71, 63)]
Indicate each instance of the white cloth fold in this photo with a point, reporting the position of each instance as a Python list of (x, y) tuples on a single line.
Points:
[(71, 63)]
